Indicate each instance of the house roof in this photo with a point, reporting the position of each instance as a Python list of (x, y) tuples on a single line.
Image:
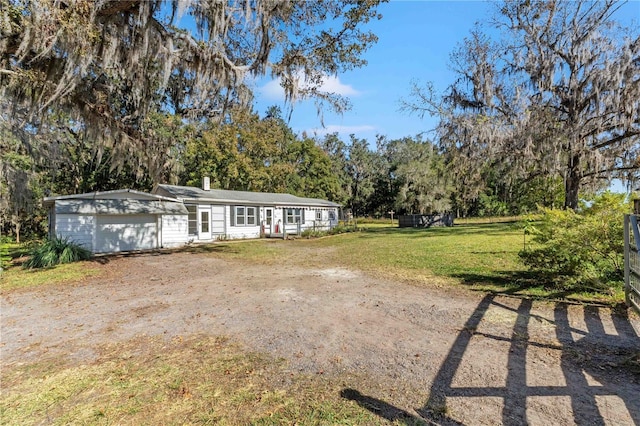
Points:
[(108, 195), (190, 193), (118, 206)]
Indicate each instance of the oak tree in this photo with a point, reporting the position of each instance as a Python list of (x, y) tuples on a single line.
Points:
[(559, 95)]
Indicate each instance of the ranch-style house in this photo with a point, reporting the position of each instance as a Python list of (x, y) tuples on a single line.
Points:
[(172, 216)]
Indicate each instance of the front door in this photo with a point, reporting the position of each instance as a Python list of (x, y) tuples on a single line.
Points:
[(204, 222), (267, 223)]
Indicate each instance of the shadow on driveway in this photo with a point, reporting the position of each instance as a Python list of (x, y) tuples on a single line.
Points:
[(609, 359)]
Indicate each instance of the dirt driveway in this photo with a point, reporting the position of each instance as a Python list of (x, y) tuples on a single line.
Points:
[(448, 356)]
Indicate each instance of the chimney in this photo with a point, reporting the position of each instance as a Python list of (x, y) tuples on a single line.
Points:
[(206, 183)]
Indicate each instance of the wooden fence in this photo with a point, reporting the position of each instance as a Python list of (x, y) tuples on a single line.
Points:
[(632, 260)]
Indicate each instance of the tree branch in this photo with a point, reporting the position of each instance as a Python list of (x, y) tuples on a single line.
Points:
[(612, 169), (608, 142), (117, 6)]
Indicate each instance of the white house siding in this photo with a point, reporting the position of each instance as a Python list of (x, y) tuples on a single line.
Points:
[(77, 228), (238, 232), (310, 221), (309, 217), (175, 230), (217, 220)]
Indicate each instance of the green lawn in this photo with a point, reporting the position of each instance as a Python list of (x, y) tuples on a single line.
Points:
[(13, 276), (479, 253), (457, 252), (480, 256)]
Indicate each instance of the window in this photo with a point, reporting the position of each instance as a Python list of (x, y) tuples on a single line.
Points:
[(245, 216), (318, 214), (251, 216), (193, 219), (240, 219), (293, 216), (332, 215)]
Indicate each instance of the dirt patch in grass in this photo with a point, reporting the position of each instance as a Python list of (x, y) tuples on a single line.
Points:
[(306, 341)]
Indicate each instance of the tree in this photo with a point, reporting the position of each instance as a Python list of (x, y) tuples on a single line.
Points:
[(385, 184), (235, 154), (249, 153), (362, 167), (557, 96), (336, 150), (312, 176), (112, 62), (20, 192), (105, 80), (422, 180)]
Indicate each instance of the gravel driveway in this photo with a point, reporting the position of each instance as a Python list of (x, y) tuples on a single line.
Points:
[(488, 359)]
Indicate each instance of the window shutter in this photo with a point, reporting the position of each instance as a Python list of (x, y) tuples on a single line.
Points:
[(233, 215), (303, 213)]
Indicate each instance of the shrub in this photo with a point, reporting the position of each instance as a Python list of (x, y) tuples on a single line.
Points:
[(343, 229), (55, 251), (340, 229), (584, 249), (310, 233)]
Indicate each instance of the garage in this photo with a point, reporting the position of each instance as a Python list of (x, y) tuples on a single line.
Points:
[(118, 221), (115, 233)]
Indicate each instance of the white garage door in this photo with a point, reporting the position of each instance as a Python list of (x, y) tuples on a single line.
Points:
[(126, 233)]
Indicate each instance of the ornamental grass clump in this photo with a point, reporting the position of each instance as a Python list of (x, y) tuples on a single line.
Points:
[(56, 251), (581, 250)]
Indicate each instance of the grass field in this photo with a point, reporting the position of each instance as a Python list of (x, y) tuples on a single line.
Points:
[(13, 276), (478, 255), (198, 380)]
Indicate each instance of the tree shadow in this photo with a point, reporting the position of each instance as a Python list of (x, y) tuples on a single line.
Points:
[(522, 284), (192, 248), (611, 360), (382, 408)]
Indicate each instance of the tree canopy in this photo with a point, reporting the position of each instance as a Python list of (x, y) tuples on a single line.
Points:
[(108, 58), (558, 95), (96, 94), (252, 154), (109, 64)]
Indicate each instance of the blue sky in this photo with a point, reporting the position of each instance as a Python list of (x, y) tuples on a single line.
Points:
[(415, 41)]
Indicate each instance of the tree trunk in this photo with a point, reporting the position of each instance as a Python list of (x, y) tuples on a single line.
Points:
[(572, 186), (17, 225)]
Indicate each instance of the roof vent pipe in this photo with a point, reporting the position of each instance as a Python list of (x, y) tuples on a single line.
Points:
[(206, 183)]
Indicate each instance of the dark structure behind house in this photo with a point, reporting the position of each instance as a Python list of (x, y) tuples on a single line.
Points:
[(425, 220)]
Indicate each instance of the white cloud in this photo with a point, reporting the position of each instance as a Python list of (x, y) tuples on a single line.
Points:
[(330, 84), (345, 130), (272, 90)]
